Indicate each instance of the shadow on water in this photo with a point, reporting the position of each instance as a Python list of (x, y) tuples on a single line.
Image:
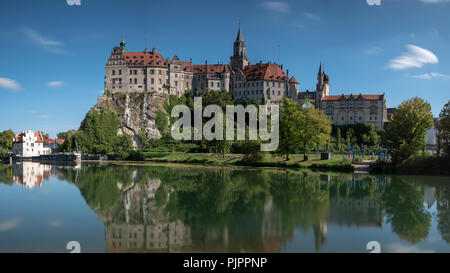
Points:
[(169, 209)]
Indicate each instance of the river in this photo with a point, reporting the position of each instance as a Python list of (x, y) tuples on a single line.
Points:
[(131, 208)]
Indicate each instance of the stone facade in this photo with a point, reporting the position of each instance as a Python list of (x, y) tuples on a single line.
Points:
[(141, 72)]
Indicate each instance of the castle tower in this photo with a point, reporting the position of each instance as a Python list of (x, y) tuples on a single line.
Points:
[(322, 87), (239, 59)]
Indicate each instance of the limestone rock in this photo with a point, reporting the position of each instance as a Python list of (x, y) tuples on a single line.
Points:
[(136, 111)]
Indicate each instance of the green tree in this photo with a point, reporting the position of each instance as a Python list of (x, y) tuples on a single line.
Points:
[(443, 126), (98, 133), (339, 140), (6, 139), (291, 117), (406, 132), (314, 128)]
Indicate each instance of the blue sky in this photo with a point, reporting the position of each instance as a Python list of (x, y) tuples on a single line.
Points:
[(52, 55)]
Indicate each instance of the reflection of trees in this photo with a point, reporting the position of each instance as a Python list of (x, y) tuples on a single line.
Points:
[(304, 203), (443, 207), (406, 213), (6, 174)]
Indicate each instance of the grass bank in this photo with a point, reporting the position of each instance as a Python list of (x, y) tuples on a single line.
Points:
[(296, 161)]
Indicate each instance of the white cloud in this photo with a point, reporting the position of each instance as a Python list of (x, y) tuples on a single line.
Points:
[(9, 224), (55, 84), (48, 44), (311, 16), (276, 6), (373, 50), (10, 84), (298, 25), (31, 111), (414, 57), (43, 116), (55, 223), (432, 75)]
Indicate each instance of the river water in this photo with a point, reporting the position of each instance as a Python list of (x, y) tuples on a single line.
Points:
[(126, 208)]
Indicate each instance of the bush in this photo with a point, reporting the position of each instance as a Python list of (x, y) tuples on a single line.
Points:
[(136, 156)]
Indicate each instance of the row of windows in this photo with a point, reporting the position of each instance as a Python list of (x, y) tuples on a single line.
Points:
[(258, 92), (152, 72), (253, 84), (359, 118)]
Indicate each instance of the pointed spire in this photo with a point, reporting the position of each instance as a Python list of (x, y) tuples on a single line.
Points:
[(321, 68), (239, 37)]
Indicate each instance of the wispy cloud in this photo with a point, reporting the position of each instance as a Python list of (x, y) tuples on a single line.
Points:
[(31, 111), (311, 16), (414, 57), (43, 116), (10, 84), (432, 75), (9, 224), (276, 6), (55, 83), (48, 44), (55, 223), (373, 50)]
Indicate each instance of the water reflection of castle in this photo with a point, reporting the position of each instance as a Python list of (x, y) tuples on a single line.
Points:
[(141, 226)]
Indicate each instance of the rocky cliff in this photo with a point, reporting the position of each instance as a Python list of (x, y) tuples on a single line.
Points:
[(136, 112)]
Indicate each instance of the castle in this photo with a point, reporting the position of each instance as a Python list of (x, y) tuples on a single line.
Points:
[(149, 71)]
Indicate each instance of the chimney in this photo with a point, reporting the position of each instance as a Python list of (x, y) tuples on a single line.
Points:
[(153, 51)]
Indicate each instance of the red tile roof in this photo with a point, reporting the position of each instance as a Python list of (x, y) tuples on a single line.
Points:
[(152, 58), (364, 97), (19, 138), (267, 72), (212, 68), (293, 80)]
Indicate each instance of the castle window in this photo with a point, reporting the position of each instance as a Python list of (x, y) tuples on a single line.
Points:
[(152, 71), (273, 84), (120, 72), (152, 81), (359, 118), (135, 81), (159, 72), (131, 81), (279, 84), (160, 81), (114, 72)]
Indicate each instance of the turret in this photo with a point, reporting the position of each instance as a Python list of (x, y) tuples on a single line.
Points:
[(239, 59)]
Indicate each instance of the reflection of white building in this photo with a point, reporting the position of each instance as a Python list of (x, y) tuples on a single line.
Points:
[(29, 144), (30, 174)]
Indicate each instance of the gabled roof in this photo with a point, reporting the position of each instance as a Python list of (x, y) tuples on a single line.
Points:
[(210, 68), (267, 71), (152, 58), (293, 80)]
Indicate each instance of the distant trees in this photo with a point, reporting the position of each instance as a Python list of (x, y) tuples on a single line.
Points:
[(302, 127), (405, 134), (443, 127)]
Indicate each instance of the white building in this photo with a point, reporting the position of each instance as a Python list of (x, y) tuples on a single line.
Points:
[(29, 144)]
